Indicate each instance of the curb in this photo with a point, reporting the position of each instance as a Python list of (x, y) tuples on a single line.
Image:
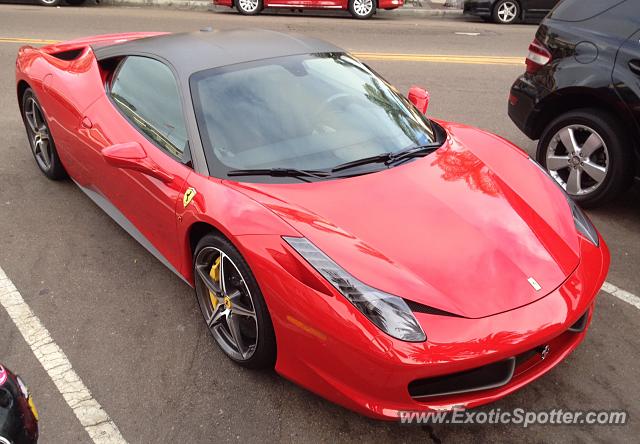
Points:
[(200, 5)]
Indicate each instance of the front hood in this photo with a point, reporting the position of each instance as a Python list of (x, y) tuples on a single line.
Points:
[(461, 230)]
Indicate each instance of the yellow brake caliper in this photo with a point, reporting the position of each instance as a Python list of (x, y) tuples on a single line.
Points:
[(215, 275)]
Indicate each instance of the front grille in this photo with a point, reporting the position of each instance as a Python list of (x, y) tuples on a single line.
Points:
[(481, 378), (488, 376)]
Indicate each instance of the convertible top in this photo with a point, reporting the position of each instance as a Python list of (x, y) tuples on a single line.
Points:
[(206, 49)]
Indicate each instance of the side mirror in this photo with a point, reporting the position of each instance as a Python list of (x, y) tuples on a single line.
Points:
[(131, 156), (419, 97)]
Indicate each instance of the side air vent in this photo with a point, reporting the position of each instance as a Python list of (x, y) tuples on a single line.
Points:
[(580, 324), (69, 55)]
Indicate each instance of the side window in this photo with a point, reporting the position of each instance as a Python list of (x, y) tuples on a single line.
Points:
[(145, 90)]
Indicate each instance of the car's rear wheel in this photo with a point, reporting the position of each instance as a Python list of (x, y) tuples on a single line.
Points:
[(506, 12), (232, 305), (49, 2), (362, 9), (589, 154), (40, 139), (249, 7)]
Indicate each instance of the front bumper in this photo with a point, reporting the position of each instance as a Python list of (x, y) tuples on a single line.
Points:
[(328, 347), (477, 8)]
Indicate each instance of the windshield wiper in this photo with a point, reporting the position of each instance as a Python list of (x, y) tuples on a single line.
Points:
[(379, 158), (280, 172), (389, 158), (414, 151)]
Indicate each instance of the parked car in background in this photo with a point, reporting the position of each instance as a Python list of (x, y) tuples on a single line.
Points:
[(580, 96), (509, 11), (361, 9), (18, 415)]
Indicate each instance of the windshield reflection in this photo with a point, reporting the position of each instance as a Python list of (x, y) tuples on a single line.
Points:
[(308, 112)]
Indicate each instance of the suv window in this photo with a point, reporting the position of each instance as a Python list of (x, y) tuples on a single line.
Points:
[(579, 10), (145, 90)]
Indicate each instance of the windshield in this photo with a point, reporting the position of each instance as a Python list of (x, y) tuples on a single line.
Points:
[(311, 112)]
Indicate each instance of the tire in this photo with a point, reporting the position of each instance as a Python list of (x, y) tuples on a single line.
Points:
[(249, 7), (362, 9), (507, 12), (41, 141), (234, 277), (613, 160), (49, 2), (75, 2)]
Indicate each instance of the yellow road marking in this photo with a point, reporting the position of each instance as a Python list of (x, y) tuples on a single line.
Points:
[(441, 58), (23, 40), (377, 56)]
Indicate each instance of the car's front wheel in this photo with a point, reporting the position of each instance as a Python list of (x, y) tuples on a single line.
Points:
[(249, 7), (40, 138), (49, 2), (589, 154), (232, 305), (362, 9), (506, 12)]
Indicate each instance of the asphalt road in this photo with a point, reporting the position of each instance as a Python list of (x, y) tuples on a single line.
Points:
[(132, 330)]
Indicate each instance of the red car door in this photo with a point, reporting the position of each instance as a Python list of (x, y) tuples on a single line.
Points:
[(137, 153)]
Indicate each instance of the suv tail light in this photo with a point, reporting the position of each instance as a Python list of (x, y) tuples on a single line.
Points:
[(538, 56)]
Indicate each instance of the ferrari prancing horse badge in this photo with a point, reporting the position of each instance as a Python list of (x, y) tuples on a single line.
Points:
[(188, 196)]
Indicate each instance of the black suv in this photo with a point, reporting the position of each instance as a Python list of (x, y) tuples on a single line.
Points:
[(580, 96)]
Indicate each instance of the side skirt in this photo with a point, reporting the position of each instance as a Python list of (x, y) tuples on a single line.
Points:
[(126, 224)]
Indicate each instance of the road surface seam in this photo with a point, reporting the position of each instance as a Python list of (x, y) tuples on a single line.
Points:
[(91, 415)]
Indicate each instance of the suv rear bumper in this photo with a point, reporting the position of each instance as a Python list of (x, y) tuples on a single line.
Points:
[(523, 108)]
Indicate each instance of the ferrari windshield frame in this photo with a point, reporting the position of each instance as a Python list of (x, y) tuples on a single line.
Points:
[(307, 112)]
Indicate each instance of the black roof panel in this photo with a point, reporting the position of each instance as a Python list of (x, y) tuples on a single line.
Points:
[(197, 51)]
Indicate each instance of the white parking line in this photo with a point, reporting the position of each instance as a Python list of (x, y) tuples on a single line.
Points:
[(621, 294), (91, 415)]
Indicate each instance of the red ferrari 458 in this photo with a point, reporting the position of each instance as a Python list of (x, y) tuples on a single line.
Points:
[(379, 258)]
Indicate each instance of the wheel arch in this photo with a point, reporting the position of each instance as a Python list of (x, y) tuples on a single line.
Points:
[(578, 98), (21, 88), (197, 231)]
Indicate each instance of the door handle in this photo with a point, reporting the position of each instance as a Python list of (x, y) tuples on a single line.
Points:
[(634, 66), (86, 122)]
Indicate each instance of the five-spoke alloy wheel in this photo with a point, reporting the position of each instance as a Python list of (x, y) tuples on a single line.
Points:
[(231, 303), (589, 154), (578, 159), (506, 11), (40, 139)]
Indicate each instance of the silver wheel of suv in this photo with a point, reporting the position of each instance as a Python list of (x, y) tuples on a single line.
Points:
[(578, 159)]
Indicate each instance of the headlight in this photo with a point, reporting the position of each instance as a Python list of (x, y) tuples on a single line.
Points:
[(583, 224), (581, 221), (390, 313)]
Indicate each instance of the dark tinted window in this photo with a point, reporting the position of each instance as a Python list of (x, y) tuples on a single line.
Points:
[(146, 92), (578, 10)]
